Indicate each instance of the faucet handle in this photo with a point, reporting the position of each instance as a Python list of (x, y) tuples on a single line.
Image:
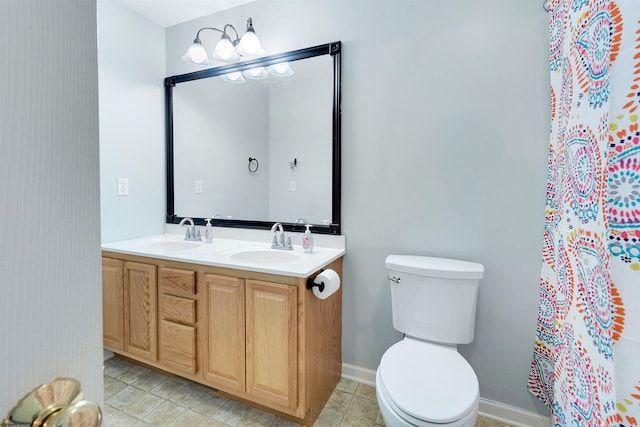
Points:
[(187, 234)]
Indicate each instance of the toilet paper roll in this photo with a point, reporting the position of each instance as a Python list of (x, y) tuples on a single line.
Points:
[(331, 282)]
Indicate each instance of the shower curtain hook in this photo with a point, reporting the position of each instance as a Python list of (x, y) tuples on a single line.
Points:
[(547, 5)]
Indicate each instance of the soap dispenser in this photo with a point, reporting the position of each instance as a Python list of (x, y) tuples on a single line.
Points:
[(307, 240), (208, 236)]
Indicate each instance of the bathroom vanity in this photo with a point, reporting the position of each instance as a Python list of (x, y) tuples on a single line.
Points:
[(233, 315)]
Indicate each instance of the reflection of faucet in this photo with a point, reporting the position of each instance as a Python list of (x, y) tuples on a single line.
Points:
[(280, 243), (191, 233), (300, 221)]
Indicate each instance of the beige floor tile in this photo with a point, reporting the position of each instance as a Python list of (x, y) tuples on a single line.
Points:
[(380, 419), (339, 400), (350, 421), (108, 411), (189, 395), (347, 385), (187, 419), (169, 387), (366, 391), (328, 418), (140, 407), (149, 380), (212, 423), (165, 413), (120, 420), (112, 387), (363, 408), (114, 367), (282, 422), (209, 403), (130, 376), (257, 418), (231, 413), (126, 396)]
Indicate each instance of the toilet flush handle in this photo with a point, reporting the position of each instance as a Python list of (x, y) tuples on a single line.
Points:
[(395, 279)]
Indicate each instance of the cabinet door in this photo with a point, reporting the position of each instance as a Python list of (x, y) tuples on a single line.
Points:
[(112, 304), (178, 346), (140, 305), (272, 342), (224, 364)]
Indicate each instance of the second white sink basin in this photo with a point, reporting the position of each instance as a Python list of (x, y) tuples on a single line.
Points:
[(264, 256)]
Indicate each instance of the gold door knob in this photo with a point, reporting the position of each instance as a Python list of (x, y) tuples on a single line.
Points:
[(55, 404)]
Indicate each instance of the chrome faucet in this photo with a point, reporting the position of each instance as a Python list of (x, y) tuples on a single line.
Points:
[(191, 233), (279, 243)]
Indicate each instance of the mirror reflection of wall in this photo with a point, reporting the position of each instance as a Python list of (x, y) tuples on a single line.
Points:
[(219, 125)]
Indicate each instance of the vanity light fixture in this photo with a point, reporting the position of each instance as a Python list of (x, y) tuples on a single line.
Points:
[(235, 77), (226, 50), (255, 73), (282, 69)]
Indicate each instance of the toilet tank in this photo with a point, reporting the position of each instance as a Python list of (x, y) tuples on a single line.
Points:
[(434, 299)]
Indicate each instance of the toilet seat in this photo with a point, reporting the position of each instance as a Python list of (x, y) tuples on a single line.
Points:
[(426, 383)]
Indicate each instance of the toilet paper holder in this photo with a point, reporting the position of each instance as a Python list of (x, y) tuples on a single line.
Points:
[(311, 283)]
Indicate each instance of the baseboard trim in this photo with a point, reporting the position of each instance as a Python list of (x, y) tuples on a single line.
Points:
[(496, 411)]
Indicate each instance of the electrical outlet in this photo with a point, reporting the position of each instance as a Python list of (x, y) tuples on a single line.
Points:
[(198, 186), (292, 186), (123, 186)]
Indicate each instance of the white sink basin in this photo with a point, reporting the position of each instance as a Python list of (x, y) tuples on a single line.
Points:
[(171, 246), (264, 256)]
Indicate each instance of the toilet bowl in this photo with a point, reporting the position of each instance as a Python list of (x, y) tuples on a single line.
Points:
[(426, 384), (423, 381)]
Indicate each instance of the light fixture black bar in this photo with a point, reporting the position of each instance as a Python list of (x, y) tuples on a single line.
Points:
[(258, 62)]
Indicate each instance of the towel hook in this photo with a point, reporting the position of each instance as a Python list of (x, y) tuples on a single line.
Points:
[(255, 168)]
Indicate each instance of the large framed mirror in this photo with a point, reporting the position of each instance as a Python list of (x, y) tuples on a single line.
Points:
[(249, 154)]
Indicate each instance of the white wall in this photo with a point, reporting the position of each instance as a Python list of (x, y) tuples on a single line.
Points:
[(50, 308), (131, 70), (445, 132)]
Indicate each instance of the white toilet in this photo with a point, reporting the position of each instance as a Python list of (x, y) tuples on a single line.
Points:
[(423, 380)]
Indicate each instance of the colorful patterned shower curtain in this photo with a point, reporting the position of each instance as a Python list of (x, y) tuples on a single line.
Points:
[(586, 361)]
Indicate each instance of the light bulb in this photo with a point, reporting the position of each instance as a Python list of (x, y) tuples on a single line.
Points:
[(225, 52), (196, 54)]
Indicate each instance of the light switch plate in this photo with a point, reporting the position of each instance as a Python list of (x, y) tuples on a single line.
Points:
[(198, 186), (123, 186), (292, 186)]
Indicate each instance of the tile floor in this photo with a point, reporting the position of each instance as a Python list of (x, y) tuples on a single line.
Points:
[(135, 396)]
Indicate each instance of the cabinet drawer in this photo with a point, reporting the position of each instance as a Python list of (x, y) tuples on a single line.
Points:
[(178, 346), (178, 309), (176, 281)]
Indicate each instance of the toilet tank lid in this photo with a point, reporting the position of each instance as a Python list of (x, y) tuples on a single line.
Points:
[(435, 267)]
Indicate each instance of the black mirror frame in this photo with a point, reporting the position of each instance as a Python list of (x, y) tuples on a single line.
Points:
[(332, 49)]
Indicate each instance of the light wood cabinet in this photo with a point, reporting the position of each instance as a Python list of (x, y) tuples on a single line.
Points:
[(140, 300), (129, 307), (178, 319), (112, 304), (259, 338), (224, 359), (272, 342)]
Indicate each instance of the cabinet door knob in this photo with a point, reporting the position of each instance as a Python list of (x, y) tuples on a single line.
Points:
[(55, 404)]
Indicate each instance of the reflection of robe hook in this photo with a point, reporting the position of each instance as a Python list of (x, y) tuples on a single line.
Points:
[(253, 160)]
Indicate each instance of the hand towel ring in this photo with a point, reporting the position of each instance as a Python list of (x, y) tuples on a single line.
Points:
[(253, 169)]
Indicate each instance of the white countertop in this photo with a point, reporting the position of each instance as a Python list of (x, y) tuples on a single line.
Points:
[(219, 253)]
